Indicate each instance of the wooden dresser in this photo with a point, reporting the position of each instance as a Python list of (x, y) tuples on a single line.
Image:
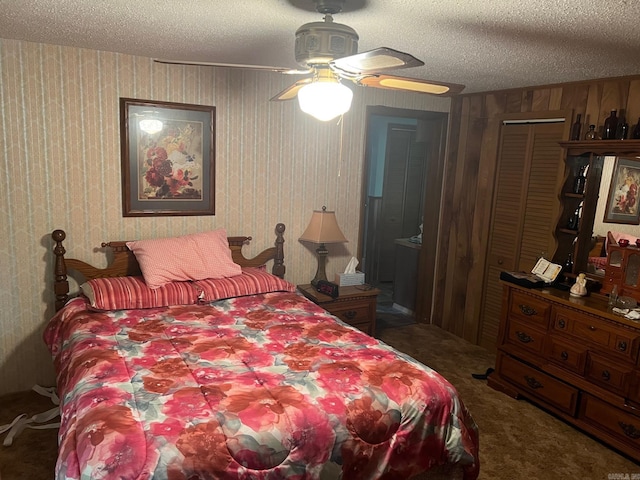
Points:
[(573, 357)]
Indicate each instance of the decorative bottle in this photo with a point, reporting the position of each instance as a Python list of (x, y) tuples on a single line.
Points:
[(636, 131), (576, 127), (568, 264), (610, 126), (580, 181), (623, 131), (592, 134), (574, 220)]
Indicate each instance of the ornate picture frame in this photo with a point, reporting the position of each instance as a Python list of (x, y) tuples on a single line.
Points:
[(168, 158), (622, 201)]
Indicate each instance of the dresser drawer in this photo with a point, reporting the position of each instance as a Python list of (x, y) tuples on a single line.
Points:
[(529, 309), (623, 425), (549, 389), (566, 354), (604, 372), (525, 336), (588, 328), (356, 314)]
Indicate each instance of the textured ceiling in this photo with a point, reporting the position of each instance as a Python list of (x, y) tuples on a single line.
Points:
[(485, 45)]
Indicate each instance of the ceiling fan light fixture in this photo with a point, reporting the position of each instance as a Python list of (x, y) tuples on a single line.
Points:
[(325, 99)]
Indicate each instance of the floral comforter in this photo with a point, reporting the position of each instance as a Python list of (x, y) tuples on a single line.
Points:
[(265, 386)]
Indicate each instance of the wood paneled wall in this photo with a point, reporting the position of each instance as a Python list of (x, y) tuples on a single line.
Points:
[(469, 179)]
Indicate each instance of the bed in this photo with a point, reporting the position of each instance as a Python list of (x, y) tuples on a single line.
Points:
[(259, 383)]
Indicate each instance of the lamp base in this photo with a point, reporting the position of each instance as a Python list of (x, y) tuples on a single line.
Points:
[(322, 260)]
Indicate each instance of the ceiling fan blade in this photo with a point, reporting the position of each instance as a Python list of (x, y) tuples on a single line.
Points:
[(291, 92), (410, 84), (285, 70), (373, 61)]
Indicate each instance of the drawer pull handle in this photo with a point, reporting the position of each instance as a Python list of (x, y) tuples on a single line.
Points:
[(350, 314), (629, 430), (622, 346), (564, 355), (561, 323), (523, 337), (592, 328), (527, 310), (532, 382), (606, 375)]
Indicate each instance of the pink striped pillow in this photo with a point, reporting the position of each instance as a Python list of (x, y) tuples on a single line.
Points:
[(125, 293), (250, 282), (189, 257)]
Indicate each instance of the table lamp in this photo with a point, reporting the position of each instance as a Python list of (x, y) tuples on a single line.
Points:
[(323, 228)]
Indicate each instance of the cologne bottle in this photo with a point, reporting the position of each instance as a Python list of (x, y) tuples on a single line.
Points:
[(591, 134), (576, 127), (610, 126)]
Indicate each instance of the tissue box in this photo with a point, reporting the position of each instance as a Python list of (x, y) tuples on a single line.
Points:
[(347, 279)]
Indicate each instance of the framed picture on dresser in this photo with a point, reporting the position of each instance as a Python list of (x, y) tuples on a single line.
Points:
[(168, 158), (622, 201)]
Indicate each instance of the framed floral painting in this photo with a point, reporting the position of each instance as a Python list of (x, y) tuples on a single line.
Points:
[(168, 158), (622, 202)]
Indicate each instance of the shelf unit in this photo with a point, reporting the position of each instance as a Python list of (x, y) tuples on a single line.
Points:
[(579, 154)]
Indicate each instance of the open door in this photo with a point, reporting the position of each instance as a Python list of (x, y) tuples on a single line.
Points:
[(402, 187)]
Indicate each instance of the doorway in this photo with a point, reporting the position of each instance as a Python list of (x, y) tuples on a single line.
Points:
[(401, 197)]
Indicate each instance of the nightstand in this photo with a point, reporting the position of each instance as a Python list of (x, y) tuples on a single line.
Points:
[(356, 305)]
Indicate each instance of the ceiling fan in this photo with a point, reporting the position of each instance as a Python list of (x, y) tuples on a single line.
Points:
[(327, 51)]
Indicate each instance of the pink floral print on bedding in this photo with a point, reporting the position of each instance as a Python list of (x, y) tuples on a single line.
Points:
[(265, 386)]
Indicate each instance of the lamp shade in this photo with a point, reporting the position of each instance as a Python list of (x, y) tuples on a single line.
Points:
[(323, 228), (325, 100)]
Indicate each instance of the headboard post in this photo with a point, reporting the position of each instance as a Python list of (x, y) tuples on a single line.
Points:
[(61, 285), (278, 262)]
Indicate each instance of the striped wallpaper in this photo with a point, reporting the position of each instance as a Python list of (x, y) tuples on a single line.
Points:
[(60, 146)]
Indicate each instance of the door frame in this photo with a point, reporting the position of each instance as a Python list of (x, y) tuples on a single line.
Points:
[(434, 176)]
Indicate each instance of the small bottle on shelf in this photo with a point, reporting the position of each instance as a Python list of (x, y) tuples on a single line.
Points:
[(576, 127), (591, 133), (580, 181), (574, 220), (610, 126), (568, 266), (623, 131), (636, 131)]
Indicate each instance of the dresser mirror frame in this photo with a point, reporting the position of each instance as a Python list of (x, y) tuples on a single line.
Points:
[(582, 242)]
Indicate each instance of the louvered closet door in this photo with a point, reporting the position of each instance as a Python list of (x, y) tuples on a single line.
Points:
[(525, 209)]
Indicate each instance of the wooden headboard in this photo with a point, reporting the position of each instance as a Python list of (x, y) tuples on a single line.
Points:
[(124, 262)]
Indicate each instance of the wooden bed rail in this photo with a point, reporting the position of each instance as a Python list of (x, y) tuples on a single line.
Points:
[(124, 262)]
